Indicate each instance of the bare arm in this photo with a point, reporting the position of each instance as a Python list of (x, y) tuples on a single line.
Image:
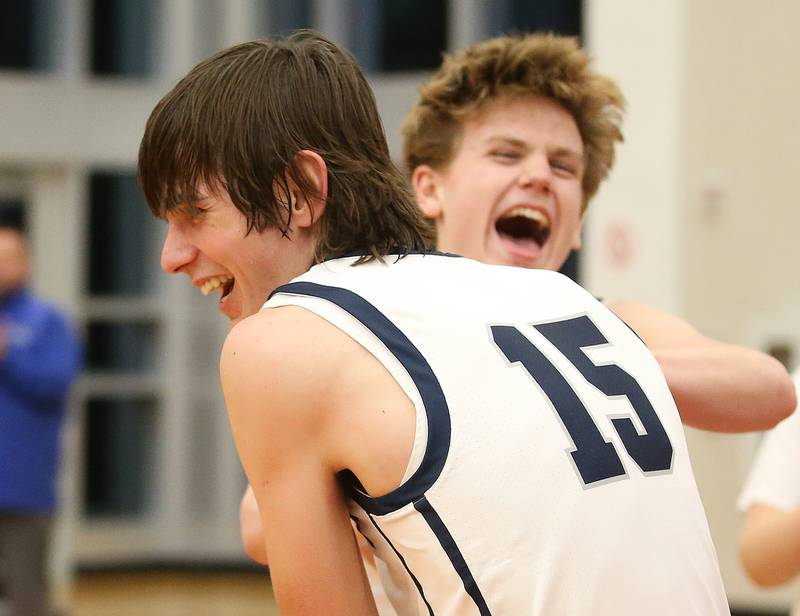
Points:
[(253, 535), (278, 407), (769, 547), (716, 386)]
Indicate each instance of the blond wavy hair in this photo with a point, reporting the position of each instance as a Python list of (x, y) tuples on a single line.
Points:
[(509, 67)]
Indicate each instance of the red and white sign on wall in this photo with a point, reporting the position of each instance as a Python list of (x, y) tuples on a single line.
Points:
[(619, 244)]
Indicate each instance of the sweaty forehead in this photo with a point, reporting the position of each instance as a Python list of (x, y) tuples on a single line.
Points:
[(183, 210), (186, 200), (525, 118)]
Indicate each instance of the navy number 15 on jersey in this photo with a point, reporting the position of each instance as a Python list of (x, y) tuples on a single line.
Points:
[(594, 458)]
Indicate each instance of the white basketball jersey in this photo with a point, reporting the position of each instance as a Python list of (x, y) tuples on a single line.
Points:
[(549, 474)]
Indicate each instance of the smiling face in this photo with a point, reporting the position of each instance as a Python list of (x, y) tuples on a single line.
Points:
[(511, 195), (208, 241)]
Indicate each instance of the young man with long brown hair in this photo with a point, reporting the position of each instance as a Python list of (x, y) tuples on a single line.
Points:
[(504, 441)]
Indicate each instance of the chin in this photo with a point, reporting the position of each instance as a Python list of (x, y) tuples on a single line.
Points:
[(524, 262)]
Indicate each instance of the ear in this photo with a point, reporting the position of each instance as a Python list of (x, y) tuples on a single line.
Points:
[(307, 209), (427, 190)]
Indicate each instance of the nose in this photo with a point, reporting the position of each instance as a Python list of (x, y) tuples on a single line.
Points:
[(536, 174), (176, 252)]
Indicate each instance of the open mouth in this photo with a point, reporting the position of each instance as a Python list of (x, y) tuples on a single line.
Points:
[(225, 283), (523, 225), (227, 288)]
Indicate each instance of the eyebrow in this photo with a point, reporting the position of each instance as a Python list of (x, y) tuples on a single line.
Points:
[(186, 207), (518, 143), (181, 204), (180, 198)]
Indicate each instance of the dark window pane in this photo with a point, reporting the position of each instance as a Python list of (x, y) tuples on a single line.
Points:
[(27, 32), (118, 456), (17, 34), (366, 33), (122, 347), (285, 16), (209, 16), (560, 16), (120, 254), (413, 34), (121, 37)]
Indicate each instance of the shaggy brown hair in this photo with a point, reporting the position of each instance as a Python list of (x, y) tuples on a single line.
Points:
[(238, 119), (513, 66)]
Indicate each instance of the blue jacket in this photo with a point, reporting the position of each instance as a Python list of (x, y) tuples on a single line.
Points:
[(41, 361)]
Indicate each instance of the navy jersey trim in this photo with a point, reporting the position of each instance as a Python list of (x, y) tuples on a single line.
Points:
[(453, 553), (405, 566), (421, 373)]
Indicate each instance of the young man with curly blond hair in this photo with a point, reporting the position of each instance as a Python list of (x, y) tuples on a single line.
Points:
[(506, 146)]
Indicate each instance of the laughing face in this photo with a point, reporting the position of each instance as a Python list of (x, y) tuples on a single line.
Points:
[(512, 193), (208, 241)]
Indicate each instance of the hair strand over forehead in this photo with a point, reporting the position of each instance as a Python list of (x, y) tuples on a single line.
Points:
[(237, 121)]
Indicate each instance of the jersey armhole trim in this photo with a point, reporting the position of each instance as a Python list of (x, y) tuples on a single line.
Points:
[(424, 379)]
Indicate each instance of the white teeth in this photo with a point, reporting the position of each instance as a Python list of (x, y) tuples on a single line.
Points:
[(214, 283), (530, 214)]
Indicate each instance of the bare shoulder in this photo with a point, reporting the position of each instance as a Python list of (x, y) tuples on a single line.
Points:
[(283, 332), (296, 386), (279, 363)]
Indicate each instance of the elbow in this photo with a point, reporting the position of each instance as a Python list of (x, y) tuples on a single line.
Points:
[(762, 575), (759, 565), (786, 407), (752, 566), (253, 543), (759, 580), (776, 393), (785, 396), (790, 399), (251, 529), (254, 549)]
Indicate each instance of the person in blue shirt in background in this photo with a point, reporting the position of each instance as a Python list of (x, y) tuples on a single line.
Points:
[(40, 358)]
